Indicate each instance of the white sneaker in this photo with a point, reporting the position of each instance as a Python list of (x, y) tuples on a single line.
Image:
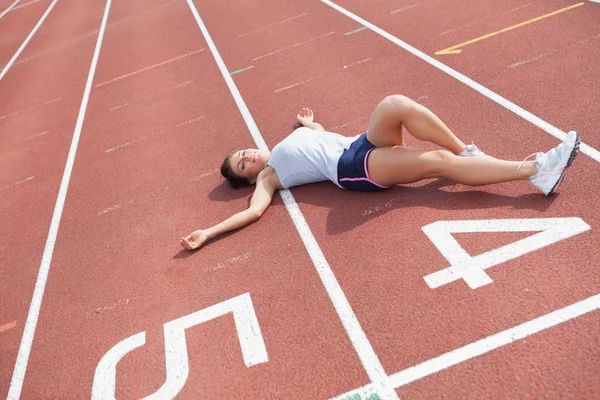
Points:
[(551, 166), (472, 151)]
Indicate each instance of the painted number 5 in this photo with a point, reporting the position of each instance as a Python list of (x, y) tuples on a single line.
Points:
[(176, 356), (472, 269)]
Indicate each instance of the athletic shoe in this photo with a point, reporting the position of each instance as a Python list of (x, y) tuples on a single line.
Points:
[(551, 166), (472, 151)]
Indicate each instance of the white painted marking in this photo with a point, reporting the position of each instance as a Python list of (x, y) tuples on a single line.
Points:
[(357, 336), (410, 6), (250, 337), (484, 19), (317, 77), (542, 55), (296, 84), (376, 209), (540, 123), (595, 1), (124, 144), (150, 96), (9, 8), (39, 134), (347, 123), (293, 46), (137, 15), (16, 383), (30, 107), (233, 260), (472, 269), (356, 63), (190, 121), (53, 100), (270, 25), (160, 64), (24, 44), (17, 183), (109, 209), (105, 376), (109, 307), (27, 4), (486, 345), (55, 48), (24, 180), (204, 175)]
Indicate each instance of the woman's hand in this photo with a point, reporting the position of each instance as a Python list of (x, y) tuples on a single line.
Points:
[(305, 116), (194, 240)]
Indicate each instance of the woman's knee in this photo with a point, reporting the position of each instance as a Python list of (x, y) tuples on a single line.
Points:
[(398, 104), (440, 162)]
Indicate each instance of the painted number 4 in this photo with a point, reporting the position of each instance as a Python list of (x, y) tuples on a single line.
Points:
[(176, 355), (472, 268)]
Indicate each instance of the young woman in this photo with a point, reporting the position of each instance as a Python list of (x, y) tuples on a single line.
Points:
[(376, 160)]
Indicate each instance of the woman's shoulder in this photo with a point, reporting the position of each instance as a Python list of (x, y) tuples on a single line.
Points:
[(270, 177)]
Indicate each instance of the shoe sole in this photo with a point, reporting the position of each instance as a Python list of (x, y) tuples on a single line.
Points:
[(569, 162)]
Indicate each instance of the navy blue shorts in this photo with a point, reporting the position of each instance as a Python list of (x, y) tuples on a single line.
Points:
[(353, 173)]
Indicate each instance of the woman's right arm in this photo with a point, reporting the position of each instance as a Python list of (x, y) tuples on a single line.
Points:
[(261, 199)]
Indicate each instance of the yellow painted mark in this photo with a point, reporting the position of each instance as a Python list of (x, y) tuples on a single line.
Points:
[(455, 49)]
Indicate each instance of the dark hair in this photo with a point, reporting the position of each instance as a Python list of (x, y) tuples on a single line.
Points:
[(235, 181)]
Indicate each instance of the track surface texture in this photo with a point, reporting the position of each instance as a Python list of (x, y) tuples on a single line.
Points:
[(114, 120)]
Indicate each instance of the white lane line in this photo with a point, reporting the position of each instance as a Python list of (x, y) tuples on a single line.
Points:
[(270, 25), (487, 344), (16, 384), (35, 28), (540, 123), (357, 336), (295, 45), (9, 8), (148, 68)]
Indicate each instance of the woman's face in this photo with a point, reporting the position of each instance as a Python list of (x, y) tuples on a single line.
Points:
[(248, 163)]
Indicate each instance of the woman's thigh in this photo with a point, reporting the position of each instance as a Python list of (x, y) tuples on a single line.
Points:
[(385, 126), (396, 165)]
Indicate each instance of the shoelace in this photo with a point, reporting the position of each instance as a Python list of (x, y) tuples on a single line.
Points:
[(527, 158)]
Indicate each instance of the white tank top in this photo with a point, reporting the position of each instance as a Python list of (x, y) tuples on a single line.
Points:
[(308, 156)]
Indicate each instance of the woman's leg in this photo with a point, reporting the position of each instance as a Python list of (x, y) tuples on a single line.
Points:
[(396, 165), (385, 127)]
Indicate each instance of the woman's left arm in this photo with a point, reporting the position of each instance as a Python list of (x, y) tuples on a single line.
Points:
[(306, 118)]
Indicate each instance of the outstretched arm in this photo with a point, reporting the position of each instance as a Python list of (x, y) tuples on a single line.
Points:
[(306, 118), (261, 199)]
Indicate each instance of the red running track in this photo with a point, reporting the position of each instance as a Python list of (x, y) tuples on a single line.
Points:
[(159, 121)]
